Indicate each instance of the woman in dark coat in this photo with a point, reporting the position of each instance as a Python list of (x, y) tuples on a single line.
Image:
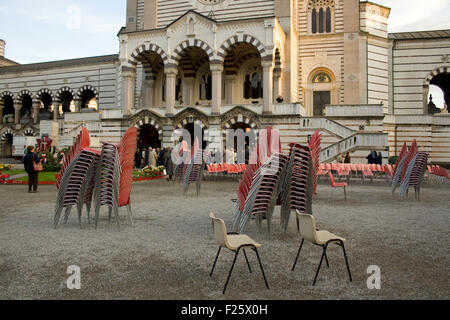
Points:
[(168, 163), (33, 176)]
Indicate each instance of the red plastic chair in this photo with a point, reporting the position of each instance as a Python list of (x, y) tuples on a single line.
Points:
[(335, 185)]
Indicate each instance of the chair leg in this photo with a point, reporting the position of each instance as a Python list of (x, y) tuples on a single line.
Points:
[(248, 263), (298, 254), (326, 260), (346, 261), (320, 264), (215, 261), (231, 271), (262, 270)]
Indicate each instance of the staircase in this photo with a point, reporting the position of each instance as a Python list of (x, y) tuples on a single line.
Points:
[(351, 140)]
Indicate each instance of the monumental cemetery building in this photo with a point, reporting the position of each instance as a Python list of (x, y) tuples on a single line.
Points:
[(295, 65)]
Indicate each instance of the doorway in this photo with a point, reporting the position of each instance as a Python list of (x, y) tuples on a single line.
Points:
[(321, 99)]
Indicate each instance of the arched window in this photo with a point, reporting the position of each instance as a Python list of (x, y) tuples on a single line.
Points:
[(321, 15), (206, 86), (179, 90), (253, 84), (314, 21)]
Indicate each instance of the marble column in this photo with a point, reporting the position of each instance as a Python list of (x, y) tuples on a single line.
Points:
[(128, 81), (216, 103), (171, 80), (268, 87), (276, 85), (17, 109), (188, 91), (230, 80), (147, 93), (77, 103), (35, 112), (55, 105)]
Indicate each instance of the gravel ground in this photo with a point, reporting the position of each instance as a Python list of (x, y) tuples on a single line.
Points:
[(170, 250)]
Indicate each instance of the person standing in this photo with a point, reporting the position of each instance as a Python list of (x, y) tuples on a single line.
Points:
[(380, 158), (146, 157), (153, 157), (168, 163), (33, 176), (340, 158), (138, 159), (347, 158)]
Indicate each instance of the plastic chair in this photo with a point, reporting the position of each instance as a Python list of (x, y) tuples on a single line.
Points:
[(335, 184), (309, 232), (233, 242)]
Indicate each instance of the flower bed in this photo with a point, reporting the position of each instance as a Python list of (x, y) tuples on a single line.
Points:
[(150, 172), (5, 166)]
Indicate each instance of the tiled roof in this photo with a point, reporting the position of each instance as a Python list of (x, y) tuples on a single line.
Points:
[(429, 34), (59, 64)]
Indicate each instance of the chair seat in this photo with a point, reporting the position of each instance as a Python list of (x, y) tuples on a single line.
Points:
[(339, 184), (240, 240), (324, 236)]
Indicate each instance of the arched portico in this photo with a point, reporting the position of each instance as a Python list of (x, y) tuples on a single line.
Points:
[(439, 77)]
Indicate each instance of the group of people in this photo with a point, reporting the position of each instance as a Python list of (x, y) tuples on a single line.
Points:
[(342, 159), (155, 157), (147, 157), (374, 157)]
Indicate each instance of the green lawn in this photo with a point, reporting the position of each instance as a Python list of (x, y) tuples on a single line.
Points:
[(43, 176), (13, 172)]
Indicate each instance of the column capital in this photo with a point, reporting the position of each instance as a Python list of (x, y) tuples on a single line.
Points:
[(267, 65), (128, 72), (171, 71), (216, 67)]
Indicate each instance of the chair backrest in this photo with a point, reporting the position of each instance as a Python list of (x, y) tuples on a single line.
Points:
[(307, 227), (333, 183), (220, 230)]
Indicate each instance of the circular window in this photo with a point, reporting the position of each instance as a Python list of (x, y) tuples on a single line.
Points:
[(210, 2)]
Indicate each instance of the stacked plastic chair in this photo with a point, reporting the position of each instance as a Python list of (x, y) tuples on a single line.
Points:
[(314, 145), (194, 171), (414, 174), (75, 181), (261, 193), (400, 169), (298, 184), (114, 176), (82, 141)]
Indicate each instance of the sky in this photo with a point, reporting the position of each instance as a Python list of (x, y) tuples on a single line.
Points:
[(46, 30)]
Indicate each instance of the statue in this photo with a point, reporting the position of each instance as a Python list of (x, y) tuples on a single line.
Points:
[(432, 109)]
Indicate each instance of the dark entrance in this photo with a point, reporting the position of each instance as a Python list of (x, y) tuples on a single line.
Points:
[(190, 127), (148, 137), (321, 98), (248, 147)]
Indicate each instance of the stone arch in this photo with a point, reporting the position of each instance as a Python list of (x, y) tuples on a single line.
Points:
[(245, 38), (29, 132), (134, 58), (6, 132), (197, 43), (39, 94), (62, 90), (23, 93), (8, 105), (434, 73), (439, 77), (5, 94), (84, 88), (182, 119), (146, 117), (238, 115)]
